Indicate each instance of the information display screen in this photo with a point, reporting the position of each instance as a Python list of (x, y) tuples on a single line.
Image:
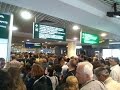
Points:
[(49, 32), (4, 25), (32, 45), (87, 38)]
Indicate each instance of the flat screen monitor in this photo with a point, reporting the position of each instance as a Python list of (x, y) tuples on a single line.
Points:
[(48, 32), (32, 45)]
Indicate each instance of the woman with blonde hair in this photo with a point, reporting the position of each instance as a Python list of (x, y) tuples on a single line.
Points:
[(71, 83), (16, 80)]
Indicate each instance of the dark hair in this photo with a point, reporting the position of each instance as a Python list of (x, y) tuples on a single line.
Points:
[(60, 59), (13, 57), (4, 80), (2, 59), (73, 63), (51, 70)]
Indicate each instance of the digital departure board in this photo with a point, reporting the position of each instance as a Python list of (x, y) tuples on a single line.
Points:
[(49, 32), (4, 25)]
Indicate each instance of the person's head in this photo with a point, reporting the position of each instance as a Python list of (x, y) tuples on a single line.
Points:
[(96, 64), (50, 70), (4, 80), (72, 63), (84, 72), (16, 80), (2, 63), (101, 73), (61, 61), (13, 57), (37, 70), (14, 72), (71, 83), (113, 61)]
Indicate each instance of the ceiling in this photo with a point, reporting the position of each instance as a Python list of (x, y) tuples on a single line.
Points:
[(25, 27)]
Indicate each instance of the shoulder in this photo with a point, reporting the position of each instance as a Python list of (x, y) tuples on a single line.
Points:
[(94, 85)]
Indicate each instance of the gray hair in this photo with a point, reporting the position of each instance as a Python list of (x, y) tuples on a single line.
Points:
[(87, 69), (115, 59), (101, 71)]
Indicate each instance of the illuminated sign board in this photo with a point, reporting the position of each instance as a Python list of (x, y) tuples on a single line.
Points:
[(87, 38), (32, 45), (4, 25), (48, 32)]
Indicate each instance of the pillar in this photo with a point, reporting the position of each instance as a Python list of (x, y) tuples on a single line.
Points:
[(71, 51)]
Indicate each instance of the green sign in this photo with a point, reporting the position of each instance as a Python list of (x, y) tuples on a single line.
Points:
[(49, 32), (4, 25), (87, 38)]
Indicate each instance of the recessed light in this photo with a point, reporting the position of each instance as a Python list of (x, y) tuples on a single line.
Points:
[(75, 38), (13, 28), (117, 16), (103, 34), (110, 40), (27, 40), (75, 27), (26, 15)]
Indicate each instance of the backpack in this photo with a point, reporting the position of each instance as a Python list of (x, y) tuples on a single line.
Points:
[(43, 83)]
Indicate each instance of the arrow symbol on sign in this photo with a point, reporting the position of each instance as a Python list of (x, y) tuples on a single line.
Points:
[(36, 25)]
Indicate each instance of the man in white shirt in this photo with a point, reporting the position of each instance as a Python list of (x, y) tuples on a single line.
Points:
[(115, 69), (84, 74), (103, 76)]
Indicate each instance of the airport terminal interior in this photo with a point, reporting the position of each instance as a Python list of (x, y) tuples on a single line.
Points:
[(59, 45)]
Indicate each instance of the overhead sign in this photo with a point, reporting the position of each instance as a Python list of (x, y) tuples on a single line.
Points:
[(87, 38), (32, 45), (48, 32), (4, 25)]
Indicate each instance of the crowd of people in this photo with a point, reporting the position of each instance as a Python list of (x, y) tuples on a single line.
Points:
[(30, 71)]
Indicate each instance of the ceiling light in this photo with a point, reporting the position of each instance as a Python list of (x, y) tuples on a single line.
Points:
[(75, 38), (59, 41), (117, 16), (27, 40), (110, 40), (13, 28), (75, 27), (103, 35), (26, 15), (22, 41)]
